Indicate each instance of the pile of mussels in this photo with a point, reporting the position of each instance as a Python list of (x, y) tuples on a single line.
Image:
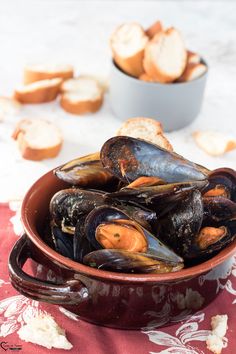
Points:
[(137, 208)]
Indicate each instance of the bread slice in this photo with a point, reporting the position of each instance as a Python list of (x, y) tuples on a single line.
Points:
[(147, 129), (192, 72), (154, 29), (38, 92), (127, 44), (8, 106), (43, 330), (37, 139), (214, 143), (39, 72), (81, 95), (219, 328), (165, 56), (193, 58)]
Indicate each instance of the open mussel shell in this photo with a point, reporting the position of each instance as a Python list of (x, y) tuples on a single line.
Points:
[(129, 158), (222, 182), (86, 171), (157, 197), (63, 242), (179, 227), (68, 205), (107, 214), (128, 262)]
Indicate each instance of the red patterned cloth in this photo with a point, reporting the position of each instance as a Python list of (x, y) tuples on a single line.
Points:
[(186, 337)]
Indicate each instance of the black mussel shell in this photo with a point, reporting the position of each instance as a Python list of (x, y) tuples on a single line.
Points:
[(129, 158), (218, 209), (63, 242), (69, 205), (107, 213), (86, 171), (222, 178), (128, 262), (81, 245), (179, 227)]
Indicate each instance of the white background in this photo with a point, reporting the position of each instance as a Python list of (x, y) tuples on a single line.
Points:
[(77, 32)]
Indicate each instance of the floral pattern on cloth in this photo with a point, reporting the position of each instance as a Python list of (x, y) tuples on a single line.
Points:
[(187, 336)]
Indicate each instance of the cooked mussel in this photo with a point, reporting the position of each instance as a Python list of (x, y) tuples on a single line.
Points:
[(110, 227), (222, 182), (69, 205), (157, 197), (129, 262), (129, 158), (86, 171), (218, 209)]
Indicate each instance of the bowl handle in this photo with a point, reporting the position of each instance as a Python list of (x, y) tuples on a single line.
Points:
[(69, 293)]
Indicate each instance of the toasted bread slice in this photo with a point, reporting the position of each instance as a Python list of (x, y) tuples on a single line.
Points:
[(127, 44), (39, 72), (165, 56), (8, 106), (154, 29), (192, 72), (38, 92), (81, 95), (37, 139), (214, 143), (193, 58), (147, 129)]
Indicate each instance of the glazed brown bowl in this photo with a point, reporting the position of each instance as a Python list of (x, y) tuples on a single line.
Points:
[(110, 299)]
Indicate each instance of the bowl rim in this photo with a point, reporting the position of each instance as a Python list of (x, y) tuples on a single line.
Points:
[(160, 84), (68, 263)]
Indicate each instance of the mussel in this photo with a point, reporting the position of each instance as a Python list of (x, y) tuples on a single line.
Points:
[(129, 158), (86, 171), (128, 262), (63, 242), (109, 227), (218, 209), (69, 205), (222, 182)]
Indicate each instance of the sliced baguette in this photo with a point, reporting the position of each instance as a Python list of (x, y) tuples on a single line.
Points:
[(127, 44), (39, 72), (193, 58), (8, 106), (81, 95), (37, 139), (192, 72), (165, 56), (147, 129), (155, 28), (38, 92), (214, 143)]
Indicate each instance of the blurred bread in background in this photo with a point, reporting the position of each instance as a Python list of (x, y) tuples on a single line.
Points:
[(38, 139), (37, 72), (214, 143), (81, 95), (39, 91), (128, 43), (165, 56)]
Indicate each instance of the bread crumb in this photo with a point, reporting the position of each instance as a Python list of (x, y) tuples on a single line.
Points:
[(215, 339), (43, 330)]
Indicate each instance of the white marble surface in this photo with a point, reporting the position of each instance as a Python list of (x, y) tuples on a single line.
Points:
[(77, 32)]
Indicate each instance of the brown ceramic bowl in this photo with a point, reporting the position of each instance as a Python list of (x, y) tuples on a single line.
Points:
[(110, 299)]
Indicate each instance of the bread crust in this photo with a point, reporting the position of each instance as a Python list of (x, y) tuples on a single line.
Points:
[(188, 72), (154, 29), (132, 65), (157, 138), (34, 75), (151, 67), (31, 153), (38, 95), (80, 107), (145, 77), (193, 57)]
